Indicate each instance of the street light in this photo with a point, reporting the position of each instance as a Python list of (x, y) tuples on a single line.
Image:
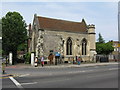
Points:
[(119, 28)]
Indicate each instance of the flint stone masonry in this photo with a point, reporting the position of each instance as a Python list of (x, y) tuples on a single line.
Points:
[(47, 35)]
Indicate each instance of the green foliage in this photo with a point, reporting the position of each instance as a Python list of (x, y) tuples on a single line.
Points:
[(100, 39), (104, 48), (22, 47), (27, 58), (0, 52), (14, 32)]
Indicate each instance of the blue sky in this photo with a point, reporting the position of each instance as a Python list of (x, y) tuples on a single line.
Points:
[(102, 14)]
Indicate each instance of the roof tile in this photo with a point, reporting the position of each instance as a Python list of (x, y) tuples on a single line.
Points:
[(62, 25)]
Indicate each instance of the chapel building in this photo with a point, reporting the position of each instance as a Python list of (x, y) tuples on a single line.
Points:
[(69, 38)]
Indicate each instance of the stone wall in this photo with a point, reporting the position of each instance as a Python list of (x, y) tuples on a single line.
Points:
[(52, 40)]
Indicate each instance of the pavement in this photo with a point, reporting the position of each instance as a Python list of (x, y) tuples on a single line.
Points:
[(22, 65)]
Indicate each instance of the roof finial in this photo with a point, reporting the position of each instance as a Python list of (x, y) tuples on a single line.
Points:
[(35, 15), (83, 20)]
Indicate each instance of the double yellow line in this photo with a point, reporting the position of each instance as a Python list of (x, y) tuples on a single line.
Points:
[(7, 76)]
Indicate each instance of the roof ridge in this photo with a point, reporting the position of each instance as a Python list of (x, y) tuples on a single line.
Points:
[(60, 19)]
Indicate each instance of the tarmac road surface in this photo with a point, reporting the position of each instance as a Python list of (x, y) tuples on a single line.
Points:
[(105, 76)]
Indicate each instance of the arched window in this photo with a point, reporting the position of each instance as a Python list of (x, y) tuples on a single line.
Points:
[(69, 46), (84, 44)]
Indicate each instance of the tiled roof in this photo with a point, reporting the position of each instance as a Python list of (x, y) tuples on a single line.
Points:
[(62, 25), (115, 41)]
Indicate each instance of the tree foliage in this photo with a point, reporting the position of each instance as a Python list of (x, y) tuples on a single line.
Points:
[(14, 32), (22, 47), (104, 48), (27, 58), (100, 39)]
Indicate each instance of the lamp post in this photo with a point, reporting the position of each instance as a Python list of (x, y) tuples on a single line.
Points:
[(119, 30)]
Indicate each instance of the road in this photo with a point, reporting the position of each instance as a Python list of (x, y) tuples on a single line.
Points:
[(105, 76)]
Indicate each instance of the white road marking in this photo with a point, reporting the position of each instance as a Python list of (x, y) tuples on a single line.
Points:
[(76, 72), (96, 67), (89, 70), (113, 69), (16, 82), (28, 83), (80, 71), (24, 75), (59, 80)]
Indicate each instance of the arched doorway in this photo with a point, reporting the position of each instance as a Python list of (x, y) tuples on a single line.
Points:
[(69, 47)]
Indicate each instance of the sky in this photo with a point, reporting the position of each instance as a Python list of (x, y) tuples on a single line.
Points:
[(102, 14)]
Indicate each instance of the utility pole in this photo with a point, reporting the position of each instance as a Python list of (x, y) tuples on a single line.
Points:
[(119, 29)]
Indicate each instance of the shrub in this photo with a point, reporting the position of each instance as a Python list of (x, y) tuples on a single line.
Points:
[(27, 58)]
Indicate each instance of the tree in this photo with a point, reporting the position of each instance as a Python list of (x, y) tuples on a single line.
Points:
[(14, 32), (104, 48), (22, 47), (100, 39)]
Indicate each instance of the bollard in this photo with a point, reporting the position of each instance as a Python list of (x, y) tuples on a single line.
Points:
[(3, 68)]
